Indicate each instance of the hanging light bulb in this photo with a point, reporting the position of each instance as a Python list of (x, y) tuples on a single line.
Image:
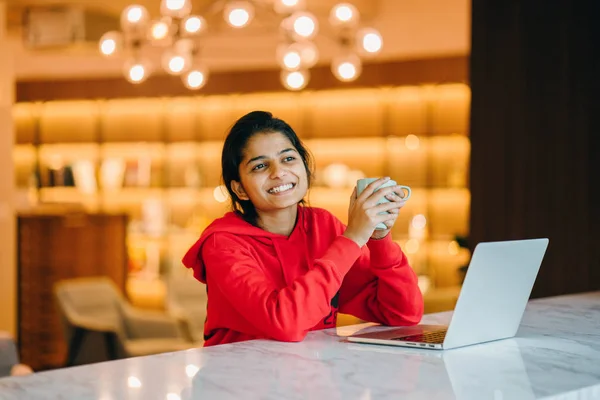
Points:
[(160, 32), (344, 14), (292, 60), (288, 57), (369, 41), (136, 71), (111, 43), (175, 8), (196, 78), (299, 55), (295, 80), (134, 18), (238, 13), (302, 25), (288, 6), (347, 68), (175, 63), (193, 25)]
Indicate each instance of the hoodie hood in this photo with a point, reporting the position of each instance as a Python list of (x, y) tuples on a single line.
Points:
[(232, 223)]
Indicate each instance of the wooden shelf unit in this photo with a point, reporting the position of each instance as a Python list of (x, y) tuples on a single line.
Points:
[(171, 147)]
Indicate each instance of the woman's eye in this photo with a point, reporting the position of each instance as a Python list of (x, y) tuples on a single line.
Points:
[(257, 167), (290, 158)]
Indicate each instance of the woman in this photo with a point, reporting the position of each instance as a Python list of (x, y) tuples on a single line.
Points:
[(277, 269)]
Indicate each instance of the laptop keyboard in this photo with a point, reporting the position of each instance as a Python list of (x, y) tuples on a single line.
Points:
[(427, 337)]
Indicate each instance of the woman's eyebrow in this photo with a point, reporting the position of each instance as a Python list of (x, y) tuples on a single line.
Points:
[(263, 157)]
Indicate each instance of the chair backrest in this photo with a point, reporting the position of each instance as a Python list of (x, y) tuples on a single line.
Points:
[(186, 299), (97, 298), (8, 354)]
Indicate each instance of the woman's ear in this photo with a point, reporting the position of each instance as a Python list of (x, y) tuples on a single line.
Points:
[(239, 190)]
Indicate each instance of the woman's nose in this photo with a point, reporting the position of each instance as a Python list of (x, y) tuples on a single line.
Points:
[(278, 171)]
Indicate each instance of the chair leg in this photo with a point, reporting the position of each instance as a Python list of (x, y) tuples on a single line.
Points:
[(75, 345), (110, 339)]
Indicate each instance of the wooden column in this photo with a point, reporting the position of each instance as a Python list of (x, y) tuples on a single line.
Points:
[(535, 127), (7, 186)]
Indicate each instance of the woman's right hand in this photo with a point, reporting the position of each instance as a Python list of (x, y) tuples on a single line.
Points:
[(364, 212)]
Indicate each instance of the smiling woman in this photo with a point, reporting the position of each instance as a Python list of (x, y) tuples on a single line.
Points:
[(277, 268), (262, 157)]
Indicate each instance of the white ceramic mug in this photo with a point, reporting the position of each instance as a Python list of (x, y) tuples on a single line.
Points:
[(361, 184)]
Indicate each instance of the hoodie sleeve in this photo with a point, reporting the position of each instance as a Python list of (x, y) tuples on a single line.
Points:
[(287, 313), (381, 287)]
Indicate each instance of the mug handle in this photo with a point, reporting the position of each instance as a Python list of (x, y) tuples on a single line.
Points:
[(407, 194)]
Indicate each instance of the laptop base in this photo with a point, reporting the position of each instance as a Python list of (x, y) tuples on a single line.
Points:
[(421, 336)]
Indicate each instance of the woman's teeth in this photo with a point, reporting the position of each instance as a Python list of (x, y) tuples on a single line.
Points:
[(281, 188)]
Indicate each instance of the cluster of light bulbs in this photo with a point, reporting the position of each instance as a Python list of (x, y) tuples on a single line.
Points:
[(176, 30), (180, 32)]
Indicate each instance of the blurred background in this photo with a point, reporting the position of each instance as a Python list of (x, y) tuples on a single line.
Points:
[(113, 118)]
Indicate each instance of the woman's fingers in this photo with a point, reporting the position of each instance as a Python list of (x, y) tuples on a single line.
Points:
[(390, 193), (372, 187), (392, 206)]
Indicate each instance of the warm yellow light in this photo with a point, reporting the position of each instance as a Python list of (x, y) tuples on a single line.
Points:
[(292, 60), (412, 142), (135, 14), (175, 5), (108, 47), (110, 43), (195, 79), (419, 221), (134, 17), (304, 24), (159, 30), (137, 73), (193, 25), (372, 42), (295, 80), (347, 68), (298, 55), (287, 6), (238, 14), (175, 8), (347, 71), (344, 12), (220, 194), (239, 17), (369, 41), (411, 246), (176, 64)]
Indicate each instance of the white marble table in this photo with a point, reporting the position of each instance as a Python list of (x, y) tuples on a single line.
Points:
[(556, 355)]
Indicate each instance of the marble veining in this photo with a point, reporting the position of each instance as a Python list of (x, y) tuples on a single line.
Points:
[(555, 355)]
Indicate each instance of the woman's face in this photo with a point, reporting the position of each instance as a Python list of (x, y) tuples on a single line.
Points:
[(272, 173)]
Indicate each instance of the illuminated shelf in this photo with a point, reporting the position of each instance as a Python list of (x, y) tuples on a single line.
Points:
[(161, 156)]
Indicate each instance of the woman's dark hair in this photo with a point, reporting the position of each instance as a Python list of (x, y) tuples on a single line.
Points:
[(244, 128)]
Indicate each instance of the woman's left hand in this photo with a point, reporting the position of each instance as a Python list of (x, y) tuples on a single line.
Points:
[(381, 233)]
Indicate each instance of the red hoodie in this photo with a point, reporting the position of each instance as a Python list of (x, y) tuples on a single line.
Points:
[(263, 285)]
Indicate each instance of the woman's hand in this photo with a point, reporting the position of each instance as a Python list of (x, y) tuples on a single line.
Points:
[(393, 215), (364, 212)]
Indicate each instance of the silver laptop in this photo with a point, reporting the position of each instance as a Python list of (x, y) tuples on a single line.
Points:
[(491, 303)]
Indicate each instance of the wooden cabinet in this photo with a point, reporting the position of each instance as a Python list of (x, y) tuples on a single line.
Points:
[(55, 246)]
